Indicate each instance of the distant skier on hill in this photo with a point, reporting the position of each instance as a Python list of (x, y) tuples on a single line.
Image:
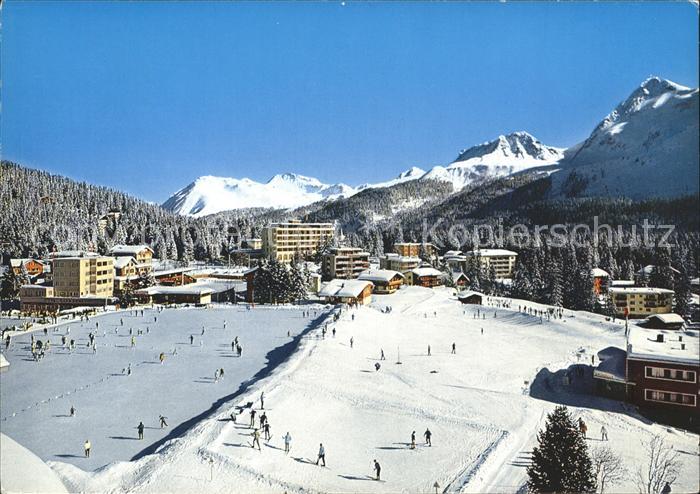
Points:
[(72, 411), (428, 350), (266, 429)]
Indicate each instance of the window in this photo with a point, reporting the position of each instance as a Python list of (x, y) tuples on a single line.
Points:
[(670, 374), (668, 397)]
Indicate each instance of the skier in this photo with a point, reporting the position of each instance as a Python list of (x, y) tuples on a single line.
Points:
[(262, 400), (87, 447), (163, 423), (128, 370), (266, 429), (133, 342), (377, 470), (287, 442), (233, 417), (256, 438), (353, 317), (454, 348), (140, 428), (428, 435), (603, 434), (321, 455), (582, 427), (72, 411), (413, 440)]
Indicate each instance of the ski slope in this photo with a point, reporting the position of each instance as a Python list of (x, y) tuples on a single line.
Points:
[(478, 403)]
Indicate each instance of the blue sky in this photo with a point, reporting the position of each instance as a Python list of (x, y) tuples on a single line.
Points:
[(145, 97)]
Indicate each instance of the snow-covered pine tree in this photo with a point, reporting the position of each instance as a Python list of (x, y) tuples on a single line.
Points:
[(683, 295), (297, 284), (560, 461)]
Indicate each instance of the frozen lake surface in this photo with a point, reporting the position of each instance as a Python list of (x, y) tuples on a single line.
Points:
[(35, 397)]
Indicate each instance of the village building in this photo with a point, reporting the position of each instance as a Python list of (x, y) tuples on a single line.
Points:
[(455, 260), (347, 292), (31, 267), (402, 264), (600, 280), (459, 278), (425, 276), (252, 243), (415, 249), (142, 254), (385, 281), (501, 260), (471, 297), (83, 275), (658, 372), (620, 283), (183, 294), (294, 239), (641, 301), (111, 217), (664, 321), (344, 263)]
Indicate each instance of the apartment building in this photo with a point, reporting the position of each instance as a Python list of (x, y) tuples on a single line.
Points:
[(83, 276), (502, 261), (344, 263), (396, 262), (285, 241), (413, 249), (641, 301)]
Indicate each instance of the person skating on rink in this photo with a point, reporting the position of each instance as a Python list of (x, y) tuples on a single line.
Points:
[(603, 433), (256, 438), (216, 376), (163, 423), (262, 400), (87, 447), (454, 348), (266, 430), (140, 428), (252, 418), (377, 471), (381, 356), (239, 350), (413, 440), (191, 339), (72, 411), (352, 341), (321, 455), (428, 350), (263, 419), (428, 437), (287, 442), (221, 373)]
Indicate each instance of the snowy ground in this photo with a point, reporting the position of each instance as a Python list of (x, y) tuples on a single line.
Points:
[(478, 403), (36, 397)]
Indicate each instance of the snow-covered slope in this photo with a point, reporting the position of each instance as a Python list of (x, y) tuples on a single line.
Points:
[(646, 147), (208, 195), (498, 158)]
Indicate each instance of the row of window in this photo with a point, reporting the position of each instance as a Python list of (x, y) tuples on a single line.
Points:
[(668, 397), (670, 374)]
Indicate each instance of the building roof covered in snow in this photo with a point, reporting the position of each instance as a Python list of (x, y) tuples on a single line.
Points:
[(123, 261), (344, 288), (646, 270), (453, 253), (599, 273), (491, 252), (666, 345), (641, 290), (128, 250), (190, 289), (621, 283), (426, 271), (383, 275), (612, 364), (72, 253)]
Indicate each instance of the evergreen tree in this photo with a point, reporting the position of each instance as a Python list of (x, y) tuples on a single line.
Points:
[(297, 284), (683, 295), (11, 283), (560, 461)]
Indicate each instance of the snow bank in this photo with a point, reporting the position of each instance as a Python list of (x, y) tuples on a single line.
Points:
[(22, 471)]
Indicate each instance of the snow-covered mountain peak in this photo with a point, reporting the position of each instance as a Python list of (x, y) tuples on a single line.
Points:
[(411, 173), (517, 145)]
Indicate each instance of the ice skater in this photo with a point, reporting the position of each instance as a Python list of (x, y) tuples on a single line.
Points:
[(252, 418), (262, 400), (266, 430), (377, 470), (428, 437), (321, 455), (413, 440), (287, 442), (72, 411), (603, 433), (140, 428), (428, 350), (191, 339), (87, 446), (381, 356), (454, 348), (352, 341), (163, 423)]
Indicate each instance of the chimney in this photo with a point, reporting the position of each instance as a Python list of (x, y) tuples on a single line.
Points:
[(660, 338)]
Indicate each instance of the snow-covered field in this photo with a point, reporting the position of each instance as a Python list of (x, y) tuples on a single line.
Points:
[(478, 403), (36, 397)]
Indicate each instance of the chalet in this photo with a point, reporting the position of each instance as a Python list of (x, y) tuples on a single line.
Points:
[(186, 294), (142, 254), (663, 321), (425, 276), (347, 292), (173, 277), (471, 297), (459, 278), (32, 267), (384, 280), (600, 280)]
